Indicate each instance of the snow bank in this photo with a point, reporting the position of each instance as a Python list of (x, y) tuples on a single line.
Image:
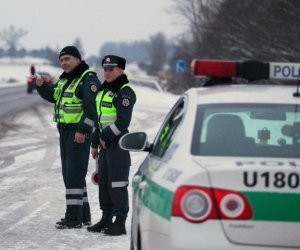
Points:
[(14, 71)]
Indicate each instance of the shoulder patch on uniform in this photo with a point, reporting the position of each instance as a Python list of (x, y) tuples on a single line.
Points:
[(94, 88), (125, 102)]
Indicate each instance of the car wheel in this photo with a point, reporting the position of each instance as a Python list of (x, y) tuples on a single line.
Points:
[(131, 243), (139, 243)]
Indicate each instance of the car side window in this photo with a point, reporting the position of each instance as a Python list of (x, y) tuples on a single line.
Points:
[(167, 131)]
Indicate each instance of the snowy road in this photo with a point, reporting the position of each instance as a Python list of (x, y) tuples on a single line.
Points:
[(31, 185), (15, 99)]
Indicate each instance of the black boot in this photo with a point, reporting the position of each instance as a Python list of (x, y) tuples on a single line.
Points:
[(67, 224), (104, 223), (117, 228), (60, 222), (85, 223)]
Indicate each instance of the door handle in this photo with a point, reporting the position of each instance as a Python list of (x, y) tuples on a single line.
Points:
[(136, 179), (143, 185)]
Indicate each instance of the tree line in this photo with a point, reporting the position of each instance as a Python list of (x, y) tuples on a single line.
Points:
[(151, 55)]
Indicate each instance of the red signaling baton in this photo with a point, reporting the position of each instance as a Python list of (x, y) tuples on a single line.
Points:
[(32, 71), (95, 178), (95, 174)]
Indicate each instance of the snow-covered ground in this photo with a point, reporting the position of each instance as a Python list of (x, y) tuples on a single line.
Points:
[(31, 185)]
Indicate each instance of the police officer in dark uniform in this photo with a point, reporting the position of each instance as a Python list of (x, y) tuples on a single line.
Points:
[(75, 113), (115, 102)]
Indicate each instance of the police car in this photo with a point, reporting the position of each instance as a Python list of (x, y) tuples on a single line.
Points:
[(223, 171)]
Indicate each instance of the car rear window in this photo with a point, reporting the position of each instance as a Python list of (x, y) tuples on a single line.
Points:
[(247, 130)]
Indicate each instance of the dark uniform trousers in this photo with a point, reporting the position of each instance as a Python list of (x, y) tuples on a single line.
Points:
[(114, 164), (74, 159)]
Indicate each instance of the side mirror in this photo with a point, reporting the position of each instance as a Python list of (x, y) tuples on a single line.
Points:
[(137, 141)]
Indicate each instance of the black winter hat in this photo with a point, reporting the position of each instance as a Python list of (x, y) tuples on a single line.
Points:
[(111, 61), (70, 50)]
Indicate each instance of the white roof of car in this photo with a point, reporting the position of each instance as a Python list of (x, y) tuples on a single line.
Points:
[(244, 94)]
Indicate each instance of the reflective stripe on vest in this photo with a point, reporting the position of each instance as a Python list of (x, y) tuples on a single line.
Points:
[(68, 108), (107, 112)]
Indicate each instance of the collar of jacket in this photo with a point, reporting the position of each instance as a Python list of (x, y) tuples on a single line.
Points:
[(116, 84), (76, 73)]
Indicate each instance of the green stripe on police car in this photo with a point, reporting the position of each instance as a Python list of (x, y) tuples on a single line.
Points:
[(266, 206)]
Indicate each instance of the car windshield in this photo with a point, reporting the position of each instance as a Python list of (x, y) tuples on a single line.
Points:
[(247, 130)]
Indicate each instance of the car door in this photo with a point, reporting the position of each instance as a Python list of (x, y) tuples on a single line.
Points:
[(152, 201)]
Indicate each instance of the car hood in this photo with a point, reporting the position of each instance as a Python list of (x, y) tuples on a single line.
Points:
[(272, 189)]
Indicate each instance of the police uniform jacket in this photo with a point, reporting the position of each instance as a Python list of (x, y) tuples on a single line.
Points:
[(124, 102), (87, 91)]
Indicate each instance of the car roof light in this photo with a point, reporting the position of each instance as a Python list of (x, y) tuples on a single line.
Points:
[(214, 68), (250, 70), (253, 70)]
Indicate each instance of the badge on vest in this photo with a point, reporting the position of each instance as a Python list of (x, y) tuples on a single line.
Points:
[(106, 104), (67, 94)]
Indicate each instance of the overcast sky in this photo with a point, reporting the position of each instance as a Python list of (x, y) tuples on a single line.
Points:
[(57, 23)]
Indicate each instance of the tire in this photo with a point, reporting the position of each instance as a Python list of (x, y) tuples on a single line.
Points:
[(139, 245), (131, 244)]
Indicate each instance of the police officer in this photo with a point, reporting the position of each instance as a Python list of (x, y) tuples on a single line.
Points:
[(115, 102), (75, 113)]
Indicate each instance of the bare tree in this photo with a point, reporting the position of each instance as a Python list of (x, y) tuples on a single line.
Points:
[(265, 30), (198, 14), (11, 37), (239, 30), (78, 44), (157, 49), (235, 29)]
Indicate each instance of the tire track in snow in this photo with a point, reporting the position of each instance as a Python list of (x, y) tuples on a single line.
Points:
[(10, 209), (29, 217)]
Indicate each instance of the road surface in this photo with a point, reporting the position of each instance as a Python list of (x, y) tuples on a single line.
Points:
[(31, 186)]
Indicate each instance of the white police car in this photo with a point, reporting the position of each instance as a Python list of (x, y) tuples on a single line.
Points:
[(224, 169)]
